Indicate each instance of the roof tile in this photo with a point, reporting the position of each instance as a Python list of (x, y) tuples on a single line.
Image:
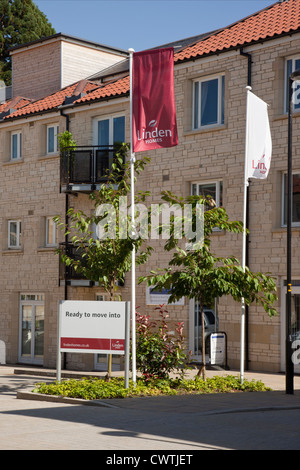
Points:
[(51, 101), (279, 18)]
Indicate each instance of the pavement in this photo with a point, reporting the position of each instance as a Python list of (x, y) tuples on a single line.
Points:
[(181, 425)]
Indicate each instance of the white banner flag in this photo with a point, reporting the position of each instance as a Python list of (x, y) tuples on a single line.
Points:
[(258, 135)]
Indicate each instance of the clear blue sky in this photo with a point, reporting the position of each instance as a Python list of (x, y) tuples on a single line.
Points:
[(142, 24)]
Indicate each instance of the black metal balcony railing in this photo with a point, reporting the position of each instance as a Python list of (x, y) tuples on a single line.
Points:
[(69, 275), (87, 165)]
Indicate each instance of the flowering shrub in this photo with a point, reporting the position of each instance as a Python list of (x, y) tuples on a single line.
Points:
[(158, 350)]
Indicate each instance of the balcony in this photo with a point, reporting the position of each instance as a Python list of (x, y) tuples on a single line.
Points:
[(86, 168), (67, 274)]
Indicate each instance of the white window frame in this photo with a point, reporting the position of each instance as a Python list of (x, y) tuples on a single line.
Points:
[(196, 115), (16, 145), (18, 234), (55, 139), (100, 297), (283, 223), (49, 222), (219, 188), (293, 60), (109, 118), (33, 301)]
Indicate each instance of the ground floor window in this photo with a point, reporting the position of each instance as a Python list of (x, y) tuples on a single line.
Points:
[(31, 338)]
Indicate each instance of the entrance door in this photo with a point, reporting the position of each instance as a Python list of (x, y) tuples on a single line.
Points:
[(295, 317), (31, 342), (210, 325)]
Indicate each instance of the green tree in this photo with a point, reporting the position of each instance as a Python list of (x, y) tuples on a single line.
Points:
[(201, 275), (107, 259), (21, 21)]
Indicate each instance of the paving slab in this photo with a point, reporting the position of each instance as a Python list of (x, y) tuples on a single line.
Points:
[(182, 425)]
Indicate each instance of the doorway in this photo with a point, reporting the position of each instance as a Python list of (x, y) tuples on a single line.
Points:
[(31, 332), (210, 325)]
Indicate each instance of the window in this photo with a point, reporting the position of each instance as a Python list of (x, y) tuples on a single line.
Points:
[(50, 232), (292, 65), (16, 145), (213, 189), (295, 200), (100, 297), (208, 102), (111, 130), (52, 140), (14, 234)]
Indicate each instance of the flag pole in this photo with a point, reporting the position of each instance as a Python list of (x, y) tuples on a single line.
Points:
[(132, 161), (246, 184)]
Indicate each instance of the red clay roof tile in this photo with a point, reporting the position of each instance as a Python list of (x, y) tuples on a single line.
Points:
[(115, 88), (93, 92), (51, 101), (277, 19), (15, 103)]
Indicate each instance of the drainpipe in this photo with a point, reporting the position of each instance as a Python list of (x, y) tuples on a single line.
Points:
[(67, 206), (249, 57), (66, 236)]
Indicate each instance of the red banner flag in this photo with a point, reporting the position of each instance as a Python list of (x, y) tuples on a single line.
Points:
[(153, 100)]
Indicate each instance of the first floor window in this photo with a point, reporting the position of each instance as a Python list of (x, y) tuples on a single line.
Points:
[(212, 189), (14, 234), (292, 65), (50, 232), (16, 145), (295, 199), (52, 140), (111, 130), (208, 102)]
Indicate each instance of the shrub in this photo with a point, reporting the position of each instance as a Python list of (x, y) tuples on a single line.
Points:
[(97, 388), (158, 350)]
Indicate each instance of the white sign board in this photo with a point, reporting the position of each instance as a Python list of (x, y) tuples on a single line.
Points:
[(218, 348), (92, 326), (160, 297)]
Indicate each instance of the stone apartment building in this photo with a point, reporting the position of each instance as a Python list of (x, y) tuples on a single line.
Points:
[(211, 74)]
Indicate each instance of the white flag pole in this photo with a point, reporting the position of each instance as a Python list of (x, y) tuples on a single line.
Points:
[(246, 184), (132, 161)]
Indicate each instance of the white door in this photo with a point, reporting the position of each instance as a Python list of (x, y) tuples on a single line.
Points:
[(31, 338)]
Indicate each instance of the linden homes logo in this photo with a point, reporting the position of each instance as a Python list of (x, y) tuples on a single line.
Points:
[(152, 134), (117, 345)]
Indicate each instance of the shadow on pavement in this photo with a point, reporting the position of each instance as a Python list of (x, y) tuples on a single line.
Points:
[(269, 420)]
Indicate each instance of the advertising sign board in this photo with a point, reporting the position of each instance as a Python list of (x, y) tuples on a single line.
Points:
[(92, 326), (160, 297)]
